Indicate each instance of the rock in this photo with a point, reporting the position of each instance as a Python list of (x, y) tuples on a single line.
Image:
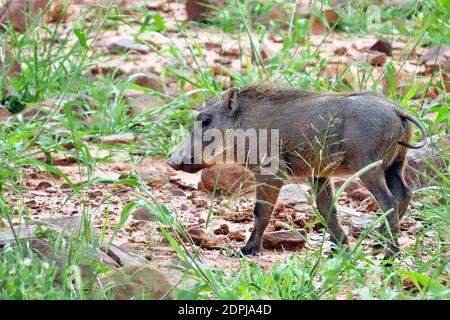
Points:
[(360, 194), (4, 111), (123, 44), (276, 14), (283, 240), (338, 70), (196, 9), (217, 69), (21, 12), (214, 241), (158, 6), (122, 256), (71, 224), (148, 80), (119, 139), (356, 184), (140, 102), (373, 58), (231, 52), (65, 186), (317, 26), (198, 235), (32, 204), (43, 185), (60, 11), (293, 194), (9, 60), (135, 282), (404, 81), (368, 205), (237, 235), (265, 52), (230, 178), (199, 202), (382, 45), (245, 216), (52, 190), (340, 51), (432, 152), (144, 214), (186, 181), (300, 222), (154, 177), (415, 229), (435, 58), (445, 83), (223, 229), (357, 225), (178, 193), (58, 159)]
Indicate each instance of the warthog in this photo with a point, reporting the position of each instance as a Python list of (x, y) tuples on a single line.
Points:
[(320, 136)]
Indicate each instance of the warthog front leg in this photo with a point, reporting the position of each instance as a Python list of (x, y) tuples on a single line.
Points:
[(267, 191)]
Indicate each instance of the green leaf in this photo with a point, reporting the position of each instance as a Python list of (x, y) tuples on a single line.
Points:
[(81, 37), (159, 22)]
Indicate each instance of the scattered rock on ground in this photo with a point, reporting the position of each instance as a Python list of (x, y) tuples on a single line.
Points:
[(338, 70), (144, 214), (283, 239), (340, 51), (223, 229), (140, 102), (237, 236), (20, 13), (317, 26), (199, 202), (358, 225), (122, 44), (229, 178), (436, 57), (360, 194), (58, 159), (245, 216), (148, 80), (382, 45), (368, 205), (197, 234), (9, 60), (213, 241), (118, 139), (436, 146), (373, 58), (415, 228), (293, 194), (356, 184), (196, 10), (4, 111), (277, 14), (154, 177), (136, 282)]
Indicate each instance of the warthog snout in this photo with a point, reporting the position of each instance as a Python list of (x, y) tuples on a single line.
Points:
[(187, 166), (173, 164)]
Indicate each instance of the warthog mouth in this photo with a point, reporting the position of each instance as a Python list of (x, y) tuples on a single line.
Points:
[(190, 168)]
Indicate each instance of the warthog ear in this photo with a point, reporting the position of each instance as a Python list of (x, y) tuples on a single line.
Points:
[(230, 101)]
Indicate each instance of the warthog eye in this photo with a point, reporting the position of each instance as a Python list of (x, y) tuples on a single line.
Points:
[(205, 118)]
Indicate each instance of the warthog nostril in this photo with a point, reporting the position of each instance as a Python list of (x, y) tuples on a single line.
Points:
[(173, 165)]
